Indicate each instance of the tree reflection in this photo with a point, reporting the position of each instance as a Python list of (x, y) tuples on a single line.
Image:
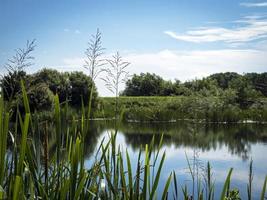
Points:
[(238, 138)]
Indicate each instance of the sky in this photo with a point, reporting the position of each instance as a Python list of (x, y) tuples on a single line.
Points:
[(179, 39)]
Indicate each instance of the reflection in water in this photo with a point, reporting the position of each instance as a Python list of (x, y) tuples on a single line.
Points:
[(205, 137), (224, 146)]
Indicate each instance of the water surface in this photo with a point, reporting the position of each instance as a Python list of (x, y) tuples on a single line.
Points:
[(224, 146)]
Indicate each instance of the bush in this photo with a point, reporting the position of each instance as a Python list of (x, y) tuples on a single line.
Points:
[(80, 89), (40, 97)]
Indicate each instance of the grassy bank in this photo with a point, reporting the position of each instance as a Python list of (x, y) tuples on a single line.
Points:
[(205, 109)]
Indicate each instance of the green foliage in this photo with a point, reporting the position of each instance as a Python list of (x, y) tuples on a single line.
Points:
[(80, 88), (246, 86), (73, 87), (233, 89), (144, 85), (233, 195), (205, 109), (223, 79), (40, 97), (10, 83), (57, 82)]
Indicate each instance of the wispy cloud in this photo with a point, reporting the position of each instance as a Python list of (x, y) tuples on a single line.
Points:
[(250, 4), (247, 29), (77, 31)]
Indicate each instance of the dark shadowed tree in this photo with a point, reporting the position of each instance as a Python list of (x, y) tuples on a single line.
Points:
[(57, 82), (80, 88), (224, 79), (259, 81)]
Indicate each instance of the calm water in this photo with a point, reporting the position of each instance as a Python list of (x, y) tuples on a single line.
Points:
[(225, 146)]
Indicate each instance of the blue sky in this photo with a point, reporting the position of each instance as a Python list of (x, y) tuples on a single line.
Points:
[(176, 39)]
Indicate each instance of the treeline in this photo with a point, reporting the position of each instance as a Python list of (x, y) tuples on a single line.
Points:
[(222, 97), (233, 87), (41, 87)]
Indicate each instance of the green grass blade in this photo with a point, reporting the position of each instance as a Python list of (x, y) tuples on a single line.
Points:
[(3, 143), (175, 185), (138, 172), (80, 187), (25, 127), (25, 98), (165, 192), (155, 185), (123, 180), (74, 167), (2, 193), (146, 174), (17, 188), (130, 177), (264, 188), (226, 184)]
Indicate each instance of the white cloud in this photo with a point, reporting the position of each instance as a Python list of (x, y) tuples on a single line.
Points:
[(249, 4), (190, 64), (77, 31), (185, 65), (247, 29)]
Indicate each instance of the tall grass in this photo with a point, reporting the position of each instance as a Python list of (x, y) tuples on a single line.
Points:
[(206, 109), (61, 174)]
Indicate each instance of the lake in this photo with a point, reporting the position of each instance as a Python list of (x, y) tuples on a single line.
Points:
[(224, 146)]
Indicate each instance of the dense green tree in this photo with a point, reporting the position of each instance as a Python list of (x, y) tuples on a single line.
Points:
[(246, 94), (80, 88), (40, 97), (259, 81), (57, 82), (168, 89), (145, 84), (10, 83), (223, 79)]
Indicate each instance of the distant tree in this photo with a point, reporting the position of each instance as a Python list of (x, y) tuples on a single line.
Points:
[(229, 96), (80, 88), (180, 89), (144, 85), (57, 82), (246, 94), (40, 97), (224, 79), (168, 89), (259, 81)]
